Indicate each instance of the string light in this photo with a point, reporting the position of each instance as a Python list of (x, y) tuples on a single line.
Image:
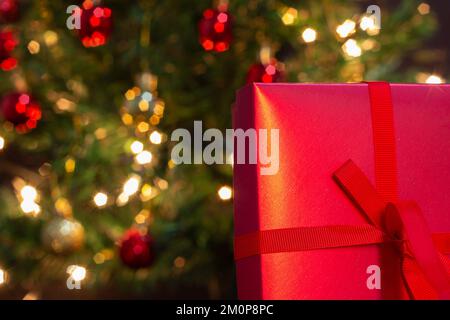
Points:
[(34, 47), (351, 48), (122, 199), (63, 207), (29, 196), (50, 38), (100, 133), (147, 192), (131, 186), (2, 143), (64, 104), (369, 44), (99, 258), (155, 137), (309, 35), (154, 120), (102, 256), (28, 193), (136, 90), (143, 105), (30, 207), (70, 165), (136, 147), (345, 29), (162, 184), (142, 216), (434, 79), (147, 96), (127, 119), (140, 219), (158, 110), (143, 127), (171, 164), (130, 95), (77, 273), (289, 16), (368, 24), (2, 276), (225, 193), (423, 8), (101, 199), (145, 157)]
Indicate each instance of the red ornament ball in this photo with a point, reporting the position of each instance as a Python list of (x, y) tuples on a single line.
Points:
[(9, 11), (137, 249), (96, 25), (265, 73), (7, 44), (22, 110), (215, 30)]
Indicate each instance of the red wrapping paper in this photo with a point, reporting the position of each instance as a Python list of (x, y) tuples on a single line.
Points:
[(322, 126)]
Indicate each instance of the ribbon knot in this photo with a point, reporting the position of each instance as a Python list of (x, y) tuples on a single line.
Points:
[(392, 223), (394, 230)]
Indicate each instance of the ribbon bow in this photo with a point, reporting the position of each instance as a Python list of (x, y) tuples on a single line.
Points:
[(426, 272)]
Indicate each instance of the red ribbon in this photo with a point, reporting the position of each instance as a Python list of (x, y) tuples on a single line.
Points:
[(425, 268)]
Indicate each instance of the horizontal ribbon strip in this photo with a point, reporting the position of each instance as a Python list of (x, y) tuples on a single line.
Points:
[(305, 238), (314, 238)]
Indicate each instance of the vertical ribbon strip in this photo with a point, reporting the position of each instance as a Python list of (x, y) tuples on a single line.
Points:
[(384, 140)]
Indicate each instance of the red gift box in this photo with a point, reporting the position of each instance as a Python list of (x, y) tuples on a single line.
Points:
[(359, 207)]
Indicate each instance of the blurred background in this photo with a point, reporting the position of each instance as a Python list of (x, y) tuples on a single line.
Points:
[(91, 206)]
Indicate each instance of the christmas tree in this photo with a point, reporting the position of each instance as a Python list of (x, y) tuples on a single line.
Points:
[(89, 194)]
